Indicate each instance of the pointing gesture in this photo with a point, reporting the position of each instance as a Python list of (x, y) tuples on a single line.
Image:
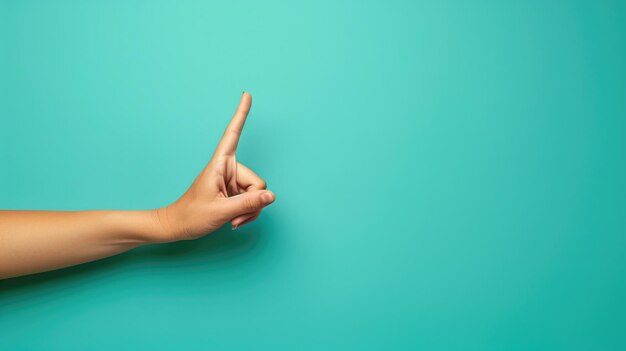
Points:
[(225, 191)]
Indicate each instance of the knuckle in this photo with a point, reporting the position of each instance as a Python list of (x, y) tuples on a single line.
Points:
[(249, 204)]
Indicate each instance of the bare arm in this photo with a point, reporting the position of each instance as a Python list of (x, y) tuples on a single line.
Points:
[(225, 191), (36, 241)]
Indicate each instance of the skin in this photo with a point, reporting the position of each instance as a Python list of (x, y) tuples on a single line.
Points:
[(225, 191)]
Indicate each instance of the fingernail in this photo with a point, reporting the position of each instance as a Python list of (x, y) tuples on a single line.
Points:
[(267, 197), (234, 227)]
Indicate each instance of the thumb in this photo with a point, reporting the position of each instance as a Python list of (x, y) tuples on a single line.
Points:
[(248, 202)]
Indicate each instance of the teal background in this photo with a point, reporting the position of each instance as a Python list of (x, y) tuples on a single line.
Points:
[(450, 174)]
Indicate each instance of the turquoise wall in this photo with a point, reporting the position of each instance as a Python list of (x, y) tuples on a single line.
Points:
[(450, 174)]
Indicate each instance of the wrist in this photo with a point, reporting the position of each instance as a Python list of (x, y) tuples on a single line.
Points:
[(163, 227), (130, 227)]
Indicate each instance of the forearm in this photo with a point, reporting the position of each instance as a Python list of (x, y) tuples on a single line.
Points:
[(37, 241)]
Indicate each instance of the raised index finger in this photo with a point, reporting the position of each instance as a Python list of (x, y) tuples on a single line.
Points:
[(230, 139)]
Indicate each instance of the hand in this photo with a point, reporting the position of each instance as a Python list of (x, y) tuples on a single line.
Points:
[(225, 191)]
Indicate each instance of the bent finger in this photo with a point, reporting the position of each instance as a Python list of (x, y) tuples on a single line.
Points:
[(248, 180)]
